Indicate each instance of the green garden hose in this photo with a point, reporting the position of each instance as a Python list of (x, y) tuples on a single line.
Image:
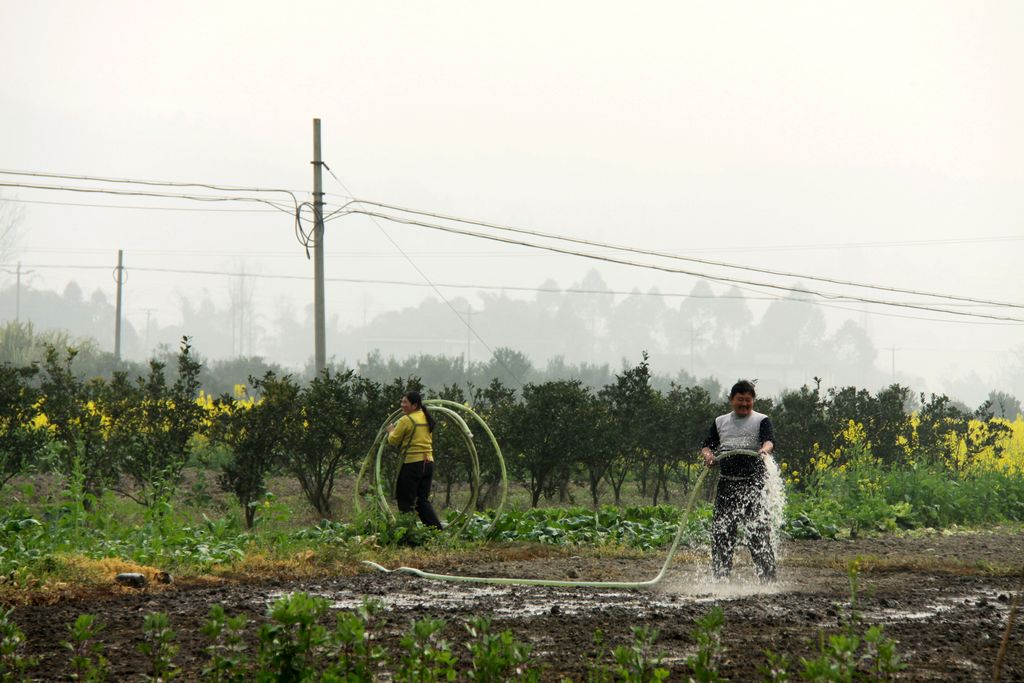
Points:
[(448, 409), (584, 584)]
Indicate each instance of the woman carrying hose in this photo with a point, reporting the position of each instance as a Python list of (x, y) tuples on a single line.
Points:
[(741, 496), (412, 434)]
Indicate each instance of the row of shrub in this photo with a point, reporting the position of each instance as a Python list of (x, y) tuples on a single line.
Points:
[(136, 436)]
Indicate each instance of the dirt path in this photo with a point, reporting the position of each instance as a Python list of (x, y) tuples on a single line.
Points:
[(937, 596)]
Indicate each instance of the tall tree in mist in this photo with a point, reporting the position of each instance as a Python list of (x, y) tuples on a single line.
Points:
[(852, 357), (734, 316), (694, 329), (593, 311), (636, 324), (788, 339)]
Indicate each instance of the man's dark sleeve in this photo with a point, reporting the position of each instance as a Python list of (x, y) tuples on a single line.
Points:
[(767, 431), (712, 440)]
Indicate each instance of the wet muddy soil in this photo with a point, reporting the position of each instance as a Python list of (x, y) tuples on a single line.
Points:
[(945, 599)]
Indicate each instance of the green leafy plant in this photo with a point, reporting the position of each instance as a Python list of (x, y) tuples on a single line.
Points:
[(159, 647), (597, 672), (20, 441), (13, 663), (776, 668), (497, 657), (426, 658), (351, 652), (883, 659), (227, 652), (840, 658), (258, 437), (637, 662), (88, 662), (288, 646), (75, 423), (704, 663)]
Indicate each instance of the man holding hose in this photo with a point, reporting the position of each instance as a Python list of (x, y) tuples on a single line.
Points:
[(741, 496)]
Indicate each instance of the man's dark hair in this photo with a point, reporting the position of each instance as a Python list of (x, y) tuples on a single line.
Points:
[(743, 387)]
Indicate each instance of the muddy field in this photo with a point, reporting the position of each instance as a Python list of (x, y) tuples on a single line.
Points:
[(941, 597)]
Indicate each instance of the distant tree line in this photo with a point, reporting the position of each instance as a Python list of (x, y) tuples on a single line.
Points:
[(580, 331)]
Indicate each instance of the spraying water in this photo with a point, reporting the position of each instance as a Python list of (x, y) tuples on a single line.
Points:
[(773, 502), (748, 511)]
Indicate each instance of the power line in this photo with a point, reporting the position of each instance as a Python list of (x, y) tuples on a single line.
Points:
[(667, 269), (304, 238), (343, 211), (168, 183), (156, 183), (733, 249), (139, 193), (139, 206), (436, 290), (295, 211), (340, 255), (664, 254)]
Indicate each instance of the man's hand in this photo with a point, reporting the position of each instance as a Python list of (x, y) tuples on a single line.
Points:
[(391, 427), (709, 457)]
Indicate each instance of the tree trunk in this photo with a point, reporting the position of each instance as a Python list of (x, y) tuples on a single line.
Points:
[(594, 483)]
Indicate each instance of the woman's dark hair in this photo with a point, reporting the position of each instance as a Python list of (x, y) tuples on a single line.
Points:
[(742, 387), (415, 399)]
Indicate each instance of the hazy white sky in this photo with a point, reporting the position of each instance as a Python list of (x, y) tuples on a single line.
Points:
[(870, 141)]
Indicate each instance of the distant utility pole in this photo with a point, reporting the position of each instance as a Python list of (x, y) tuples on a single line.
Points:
[(117, 313), (149, 312), (319, 325), (17, 293), (469, 332), (893, 349), (17, 289)]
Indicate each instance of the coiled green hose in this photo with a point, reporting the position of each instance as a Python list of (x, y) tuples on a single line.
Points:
[(502, 581), (448, 409)]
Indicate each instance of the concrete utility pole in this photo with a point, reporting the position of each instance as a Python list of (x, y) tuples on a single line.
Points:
[(17, 289), (469, 339), (149, 312), (17, 293), (117, 313), (17, 296), (319, 325)]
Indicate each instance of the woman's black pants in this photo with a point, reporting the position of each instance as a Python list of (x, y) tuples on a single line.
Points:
[(413, 491), (741, 501)]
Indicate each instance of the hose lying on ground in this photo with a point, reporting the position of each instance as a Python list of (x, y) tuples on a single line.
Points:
[(502, 581)]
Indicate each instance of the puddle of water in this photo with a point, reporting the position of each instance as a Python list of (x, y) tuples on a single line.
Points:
[(946, 604), (533, 601)]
